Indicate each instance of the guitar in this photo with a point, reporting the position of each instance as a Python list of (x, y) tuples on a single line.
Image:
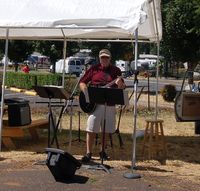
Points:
[(85, 106)]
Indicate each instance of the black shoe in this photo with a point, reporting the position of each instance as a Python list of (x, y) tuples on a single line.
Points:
[(87, 158), (104, 156)]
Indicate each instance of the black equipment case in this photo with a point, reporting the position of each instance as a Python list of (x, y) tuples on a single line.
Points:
[(19, 113)]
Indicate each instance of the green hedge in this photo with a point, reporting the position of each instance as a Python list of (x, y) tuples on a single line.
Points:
[(26, 81)]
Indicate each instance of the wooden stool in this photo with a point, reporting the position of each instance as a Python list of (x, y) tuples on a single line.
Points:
[(154, 140)]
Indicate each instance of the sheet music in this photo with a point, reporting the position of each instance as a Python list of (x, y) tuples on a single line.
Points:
[(51, 91)]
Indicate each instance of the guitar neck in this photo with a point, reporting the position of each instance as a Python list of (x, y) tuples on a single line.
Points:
[(110, 84)]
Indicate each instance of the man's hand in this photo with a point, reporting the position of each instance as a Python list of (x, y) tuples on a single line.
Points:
[(120, 83)]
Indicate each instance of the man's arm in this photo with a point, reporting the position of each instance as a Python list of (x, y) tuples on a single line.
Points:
[(82, 86)]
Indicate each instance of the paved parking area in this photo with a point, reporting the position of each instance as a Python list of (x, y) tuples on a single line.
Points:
[(38, 177)]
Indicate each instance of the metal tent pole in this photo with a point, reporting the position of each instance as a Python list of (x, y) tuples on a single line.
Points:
[(157, 71), (64, 64), (158, 55), (132, 174), (3, 85)]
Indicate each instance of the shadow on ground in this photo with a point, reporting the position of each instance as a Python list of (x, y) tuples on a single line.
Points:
[(183, 148)]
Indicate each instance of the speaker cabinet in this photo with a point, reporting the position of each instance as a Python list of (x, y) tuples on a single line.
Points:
[(187, 106), (61, 164), (19, 114)]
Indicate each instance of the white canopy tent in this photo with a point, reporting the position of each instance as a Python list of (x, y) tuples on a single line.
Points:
[(79, 20), (97, 19)]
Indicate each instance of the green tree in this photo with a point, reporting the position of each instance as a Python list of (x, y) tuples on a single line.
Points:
[(54, 49), (2, 47), (181, 31), (119, 50), (19, 50)]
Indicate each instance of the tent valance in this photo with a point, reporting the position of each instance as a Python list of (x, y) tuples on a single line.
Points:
[(77, 19)]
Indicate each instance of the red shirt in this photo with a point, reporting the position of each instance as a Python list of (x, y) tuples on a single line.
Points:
[(26, 69), (100, 76)]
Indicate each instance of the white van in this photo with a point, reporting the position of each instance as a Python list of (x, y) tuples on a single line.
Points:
[(124, 66), (72, 66)]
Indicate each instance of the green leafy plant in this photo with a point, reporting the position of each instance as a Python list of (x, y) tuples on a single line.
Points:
[(26, 81), (168, 92)]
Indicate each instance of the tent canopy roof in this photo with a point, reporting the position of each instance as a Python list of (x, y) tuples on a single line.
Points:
[(78, 19)]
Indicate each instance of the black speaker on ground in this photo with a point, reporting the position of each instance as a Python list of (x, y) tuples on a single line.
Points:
[(18, 112), (61, 164)]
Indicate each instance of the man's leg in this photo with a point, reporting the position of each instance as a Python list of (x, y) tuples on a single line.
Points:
[(93, 125), (89, 143), (90, 140)]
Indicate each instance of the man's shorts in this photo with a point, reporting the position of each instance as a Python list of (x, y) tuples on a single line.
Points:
[(95, 120)]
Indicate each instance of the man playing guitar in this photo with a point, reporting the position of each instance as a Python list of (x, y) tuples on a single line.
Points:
[(100, 75)]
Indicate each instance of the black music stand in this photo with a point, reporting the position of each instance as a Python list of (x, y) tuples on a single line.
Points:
[(104, 96), (52, 92)]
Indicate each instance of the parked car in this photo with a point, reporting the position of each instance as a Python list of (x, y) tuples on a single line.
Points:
[(2, 62), (72, 66)]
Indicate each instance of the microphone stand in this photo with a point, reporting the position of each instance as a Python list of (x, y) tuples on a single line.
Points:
[(117, 131), (70, 102)]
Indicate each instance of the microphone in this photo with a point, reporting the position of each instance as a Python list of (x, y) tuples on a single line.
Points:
[(130, 73)]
